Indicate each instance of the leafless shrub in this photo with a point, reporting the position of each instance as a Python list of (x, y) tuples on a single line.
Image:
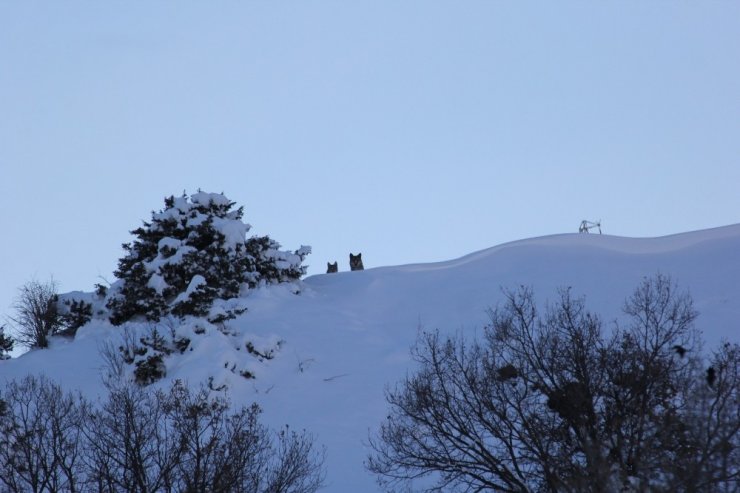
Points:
[(114, 367), (294, 464), (550, 403), (130, 347), (36, 315)]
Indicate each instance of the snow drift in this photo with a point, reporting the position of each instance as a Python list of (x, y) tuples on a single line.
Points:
[(337, 344)]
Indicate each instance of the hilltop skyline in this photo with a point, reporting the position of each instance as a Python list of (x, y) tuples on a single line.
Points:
[(408, 133)]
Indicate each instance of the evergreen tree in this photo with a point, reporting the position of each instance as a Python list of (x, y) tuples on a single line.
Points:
[(6, 344), (192, 252)]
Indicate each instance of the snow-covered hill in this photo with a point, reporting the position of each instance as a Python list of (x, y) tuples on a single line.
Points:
[(346, 336)]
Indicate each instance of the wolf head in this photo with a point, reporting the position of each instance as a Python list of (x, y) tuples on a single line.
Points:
[(355, 262), (331, 268)]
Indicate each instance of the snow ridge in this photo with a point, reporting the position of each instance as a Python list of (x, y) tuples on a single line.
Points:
[(320, 360)]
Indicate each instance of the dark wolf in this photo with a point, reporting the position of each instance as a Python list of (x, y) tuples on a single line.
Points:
[(355, 262)]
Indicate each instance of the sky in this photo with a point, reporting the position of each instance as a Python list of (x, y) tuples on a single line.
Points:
[(413, 131)]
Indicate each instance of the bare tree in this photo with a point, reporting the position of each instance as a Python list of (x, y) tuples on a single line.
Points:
[(41, 445), (139, 441), (132, 446), (192, 442), (231, 452), (36, 315), (295, 465), (206, 460), (551, 403)]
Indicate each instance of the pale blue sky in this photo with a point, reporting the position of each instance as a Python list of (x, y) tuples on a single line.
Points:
[(410, 131)]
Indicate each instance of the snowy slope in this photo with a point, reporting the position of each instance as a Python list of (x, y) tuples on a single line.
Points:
[(347, 335)]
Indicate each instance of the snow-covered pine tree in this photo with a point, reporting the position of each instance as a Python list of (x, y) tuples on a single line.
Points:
[(6, 344), (192, 252)]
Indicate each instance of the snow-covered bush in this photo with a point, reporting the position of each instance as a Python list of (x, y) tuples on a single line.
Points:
[(6, 344), (191, 253), (75, 309), (149, 353), (75, 314), (150, 370)]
